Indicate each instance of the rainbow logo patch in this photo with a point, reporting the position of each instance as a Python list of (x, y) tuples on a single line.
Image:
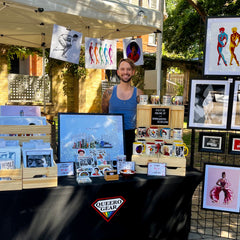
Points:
[(108, 207)]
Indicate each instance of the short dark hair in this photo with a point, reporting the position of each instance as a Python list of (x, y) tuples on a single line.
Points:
[(129, 61)]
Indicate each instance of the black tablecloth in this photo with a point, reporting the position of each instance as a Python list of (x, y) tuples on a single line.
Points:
[(155, 208)]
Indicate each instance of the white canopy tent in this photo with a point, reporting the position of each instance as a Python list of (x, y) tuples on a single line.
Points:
[(23, 22), (30, 23)]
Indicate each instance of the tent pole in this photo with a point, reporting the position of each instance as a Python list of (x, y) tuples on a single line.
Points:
[(159, 49), (44, 80)]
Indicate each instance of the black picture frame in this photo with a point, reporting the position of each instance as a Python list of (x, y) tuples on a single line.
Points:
[(212, 142), (93, 134), (234, 144), (235, 115), (221, 187), (209, 104)]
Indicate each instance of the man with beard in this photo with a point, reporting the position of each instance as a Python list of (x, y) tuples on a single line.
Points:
[(123, 99)]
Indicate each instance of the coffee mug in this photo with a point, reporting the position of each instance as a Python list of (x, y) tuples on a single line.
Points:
[(138, 148), (152, 132), (159, 143), (150, 148), (167, 149), (143, 99), (177, 100), (177, 142), (155, 99), (166, 100), (181, 150), (143, 141), (165, 133), (141, 132), (177, 133)]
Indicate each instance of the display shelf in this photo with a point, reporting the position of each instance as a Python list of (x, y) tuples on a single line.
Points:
[(174, 165), (174, 118), (24, 133), (40, 177), (11, 179)]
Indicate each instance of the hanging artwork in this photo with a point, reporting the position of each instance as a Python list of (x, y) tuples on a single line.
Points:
[(132, 48), (100, 54), (221, 188), (222, 53), (209, 101), (235, 120), (65, 44)]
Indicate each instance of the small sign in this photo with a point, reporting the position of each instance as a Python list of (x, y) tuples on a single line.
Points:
[(157, 169), (160, 116), (65, 169)]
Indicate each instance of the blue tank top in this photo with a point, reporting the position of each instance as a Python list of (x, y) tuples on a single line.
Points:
[(126, 107)]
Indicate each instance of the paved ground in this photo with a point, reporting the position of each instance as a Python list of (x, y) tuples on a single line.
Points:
[(197, 236)]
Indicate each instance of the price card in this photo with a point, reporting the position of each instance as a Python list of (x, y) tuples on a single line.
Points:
[(157, 169), (65, 169)]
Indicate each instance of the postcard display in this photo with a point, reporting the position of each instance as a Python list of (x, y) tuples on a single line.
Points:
[(158, 118), (21, 125)]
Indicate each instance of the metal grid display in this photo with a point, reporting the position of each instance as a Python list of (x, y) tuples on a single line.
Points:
[(25, 88), (210, 222)]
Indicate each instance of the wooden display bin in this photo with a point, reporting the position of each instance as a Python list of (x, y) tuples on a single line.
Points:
[(15, 179), (40, 177), (24, 133), (174, 165), (171, 116)]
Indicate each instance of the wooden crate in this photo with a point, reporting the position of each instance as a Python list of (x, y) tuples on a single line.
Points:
[(40, 177), (16, 179), (176, 115), (174, 165), (26, 132)]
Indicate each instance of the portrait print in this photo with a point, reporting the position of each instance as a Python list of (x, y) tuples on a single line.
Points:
[(221, 188)]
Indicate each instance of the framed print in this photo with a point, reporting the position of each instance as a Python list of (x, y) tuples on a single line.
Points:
[(234, 144), (221, 188), (99, 136), (235, 122), (211, 142), (222, 53), (208, 104)]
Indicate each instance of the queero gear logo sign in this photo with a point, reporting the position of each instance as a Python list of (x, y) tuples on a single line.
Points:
[(108, 207)]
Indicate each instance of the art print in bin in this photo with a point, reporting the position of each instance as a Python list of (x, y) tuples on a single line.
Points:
[(38, 161)]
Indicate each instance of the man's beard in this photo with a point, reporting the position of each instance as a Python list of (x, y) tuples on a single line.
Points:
[(127, 80)]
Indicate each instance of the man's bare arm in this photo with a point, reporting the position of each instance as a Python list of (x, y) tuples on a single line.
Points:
[(105, 100), (139, 92)]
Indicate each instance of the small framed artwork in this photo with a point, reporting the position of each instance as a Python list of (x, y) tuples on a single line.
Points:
[(235, 122), (234, 144), (208, 104), (221, 46), (211, 142), (221, 188)]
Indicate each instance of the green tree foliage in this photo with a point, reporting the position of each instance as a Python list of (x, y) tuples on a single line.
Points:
[(184, 29)]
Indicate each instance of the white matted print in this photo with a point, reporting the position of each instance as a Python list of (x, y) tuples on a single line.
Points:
[(222, 50), (209, 104), (221, 188), (100, 54), (65, 44), (235, 121), (132, 48)]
